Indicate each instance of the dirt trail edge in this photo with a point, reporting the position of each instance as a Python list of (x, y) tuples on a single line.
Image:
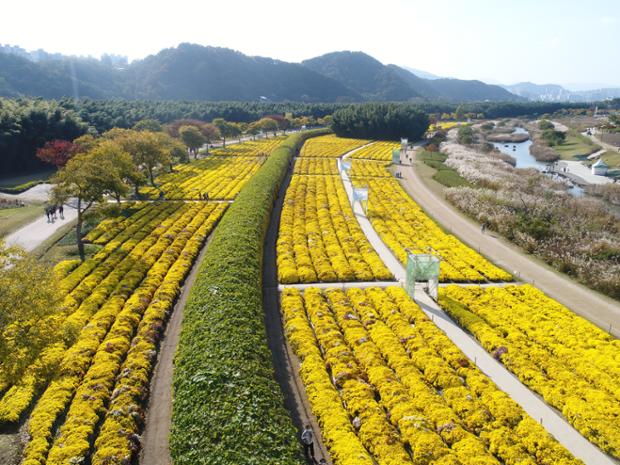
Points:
[(158, 421), (285, 362)]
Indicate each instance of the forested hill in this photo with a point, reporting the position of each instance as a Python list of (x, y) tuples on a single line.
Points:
[(194, 72), (376, 81)]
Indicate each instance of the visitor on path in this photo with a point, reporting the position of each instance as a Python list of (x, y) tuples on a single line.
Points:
[(53, 211), (61, 211), (206, 196), (483, 228), (307, 439), (47, 214)]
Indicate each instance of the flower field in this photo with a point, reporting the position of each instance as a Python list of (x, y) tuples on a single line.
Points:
[(330, 146), (113, 315), (372, 169), (221, 177), (319, 238), (571, 363), (379, 151), (388, 387), (251, 148), (316, 166), (402, 224)]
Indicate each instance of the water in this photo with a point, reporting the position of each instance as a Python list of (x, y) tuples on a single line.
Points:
[(521, 153)]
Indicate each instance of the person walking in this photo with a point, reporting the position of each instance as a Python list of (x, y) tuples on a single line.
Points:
[(483, 228), (61, 211), (47, 213), (307, 439), (53, 211)]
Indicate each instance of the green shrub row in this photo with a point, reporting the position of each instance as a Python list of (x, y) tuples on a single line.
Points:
[(228, 408), (20, 188)]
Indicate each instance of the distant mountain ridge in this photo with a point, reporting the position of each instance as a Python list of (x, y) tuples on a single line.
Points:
[(195, 72), (557, 93)]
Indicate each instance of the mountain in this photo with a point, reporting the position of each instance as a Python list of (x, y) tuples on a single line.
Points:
[(421, 73), (557, 93), (194, 72), (375, 81)]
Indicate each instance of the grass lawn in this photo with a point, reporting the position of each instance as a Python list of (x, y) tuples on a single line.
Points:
[(444, 175), (11, 219), (612, 159), (576, 146)]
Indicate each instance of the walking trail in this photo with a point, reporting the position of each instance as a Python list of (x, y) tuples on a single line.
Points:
[(35, 233), (595, 307)]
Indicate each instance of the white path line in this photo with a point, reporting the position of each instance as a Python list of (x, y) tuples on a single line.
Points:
[(384, 252), (533, 404), (35, 233)]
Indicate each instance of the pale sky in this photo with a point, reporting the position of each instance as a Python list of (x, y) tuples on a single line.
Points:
[(507, 41)]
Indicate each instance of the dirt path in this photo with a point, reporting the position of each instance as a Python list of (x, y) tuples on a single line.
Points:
[(597, 308), (155, 439), (285, 362)]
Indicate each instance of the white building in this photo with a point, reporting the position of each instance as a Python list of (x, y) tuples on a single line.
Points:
[(600, 168)]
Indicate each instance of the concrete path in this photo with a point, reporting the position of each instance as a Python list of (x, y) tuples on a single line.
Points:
[(550, 419), (38, 193), (580, 170), (34, 234), (599, 309), (389, 259)]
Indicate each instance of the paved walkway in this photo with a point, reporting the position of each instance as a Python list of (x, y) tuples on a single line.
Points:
[(593, 306), (34, 234), (584, 173)]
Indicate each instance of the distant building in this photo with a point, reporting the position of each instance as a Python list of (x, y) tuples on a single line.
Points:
[(600, 168)]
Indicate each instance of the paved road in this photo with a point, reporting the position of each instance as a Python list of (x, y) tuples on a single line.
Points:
[(593, 306), (34, 234), (581, 171)]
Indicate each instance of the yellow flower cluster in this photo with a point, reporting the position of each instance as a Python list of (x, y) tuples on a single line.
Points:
[(446, 125), (319, 238), (379, 151), (402, 224), (125, 313), (369, 169), (316, 166), (221, 177), (387, 386), (251, 148), (571, 363), (330, 146)]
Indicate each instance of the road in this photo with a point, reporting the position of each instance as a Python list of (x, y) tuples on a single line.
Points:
[(35, 233)]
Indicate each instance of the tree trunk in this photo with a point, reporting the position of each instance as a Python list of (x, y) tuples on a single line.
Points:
[(150, 170), (78, 231), (224, 142)]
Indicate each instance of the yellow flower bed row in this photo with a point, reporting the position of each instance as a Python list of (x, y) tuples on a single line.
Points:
[(251, 148), (372, 169), (572, 364), (319, 238), (402, 224), (380, 151), (387, 386), (86, 289), (221, 177), (316, 166), (330, 146), (87, 378), (111, 226)]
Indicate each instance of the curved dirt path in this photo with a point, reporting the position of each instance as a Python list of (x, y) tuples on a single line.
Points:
[(158, 421), (597, 308), (285, 363)]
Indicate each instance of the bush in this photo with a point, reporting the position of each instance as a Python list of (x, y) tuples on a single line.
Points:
[(228, 409)]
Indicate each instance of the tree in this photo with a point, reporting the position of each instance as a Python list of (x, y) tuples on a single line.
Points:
[(148, 125), (29, 303), (210, 132), (88, 177), (57, 152), (267, 124), (192, 138), (226, 129)]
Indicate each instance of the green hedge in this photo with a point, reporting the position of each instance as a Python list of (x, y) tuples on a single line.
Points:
[(21, 188), (228, 408)]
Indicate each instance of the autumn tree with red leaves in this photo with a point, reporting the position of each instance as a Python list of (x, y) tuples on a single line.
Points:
[(57, 152)]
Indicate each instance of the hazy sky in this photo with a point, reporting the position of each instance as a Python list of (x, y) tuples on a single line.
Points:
[(560, 41)]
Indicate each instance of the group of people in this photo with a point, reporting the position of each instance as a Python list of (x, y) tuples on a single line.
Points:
[(53, 211), (204, 196)]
